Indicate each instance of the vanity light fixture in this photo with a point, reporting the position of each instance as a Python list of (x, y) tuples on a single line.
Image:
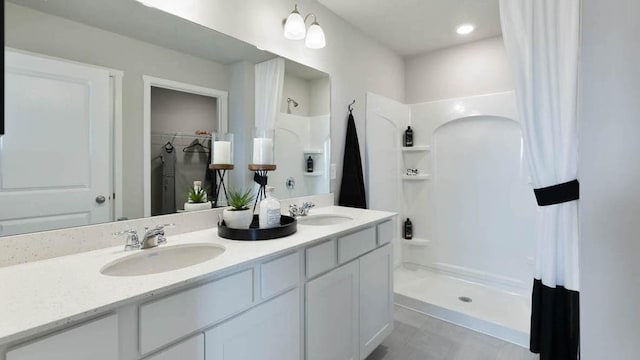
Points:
[(295, 28), (465, 29)]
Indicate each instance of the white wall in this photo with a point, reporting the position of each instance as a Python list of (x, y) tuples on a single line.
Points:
[(355, 62), (609, 173), (298, 89), (35, 31), (475, 68)]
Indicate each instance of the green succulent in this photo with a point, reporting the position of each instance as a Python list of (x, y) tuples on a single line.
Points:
[(197, 195), (240, 200)]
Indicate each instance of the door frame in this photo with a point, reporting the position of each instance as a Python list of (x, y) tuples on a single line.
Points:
[(150, 81), (115, 126)]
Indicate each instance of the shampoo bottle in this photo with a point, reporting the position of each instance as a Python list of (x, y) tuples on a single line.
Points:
[(269, 215), (408, 137), (309, 164), (408, 229)]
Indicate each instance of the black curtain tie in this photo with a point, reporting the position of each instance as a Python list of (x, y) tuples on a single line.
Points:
[(558, 194)]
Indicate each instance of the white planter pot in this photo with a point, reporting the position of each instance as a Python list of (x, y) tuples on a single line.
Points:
[(197, 206), (237, 219)]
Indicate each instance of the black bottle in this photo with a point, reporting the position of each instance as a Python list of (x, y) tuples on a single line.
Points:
[(309, 164), (408, 137), (408, 229)]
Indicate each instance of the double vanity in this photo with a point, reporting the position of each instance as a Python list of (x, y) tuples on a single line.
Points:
[(323, 293)]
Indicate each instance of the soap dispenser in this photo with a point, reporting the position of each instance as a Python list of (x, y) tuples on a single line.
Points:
[(269, 215)]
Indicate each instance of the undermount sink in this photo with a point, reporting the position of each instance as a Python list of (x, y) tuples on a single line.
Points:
[(162, 259), (323, 219)]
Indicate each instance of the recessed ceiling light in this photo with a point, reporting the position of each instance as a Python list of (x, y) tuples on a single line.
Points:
[(465, 29)]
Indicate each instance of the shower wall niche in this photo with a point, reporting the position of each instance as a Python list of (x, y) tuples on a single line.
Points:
[(471, 205)]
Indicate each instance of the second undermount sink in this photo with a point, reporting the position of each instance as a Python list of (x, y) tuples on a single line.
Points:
[(323, 219), (162, 259)]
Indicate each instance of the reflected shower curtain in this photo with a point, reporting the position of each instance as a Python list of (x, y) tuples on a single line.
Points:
[(268, 91), (542, 40)]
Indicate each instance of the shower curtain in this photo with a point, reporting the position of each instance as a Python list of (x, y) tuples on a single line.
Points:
[(542, 39), (268, 91)]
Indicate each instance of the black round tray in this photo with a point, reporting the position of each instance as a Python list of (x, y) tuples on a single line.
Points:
[(288, 226)]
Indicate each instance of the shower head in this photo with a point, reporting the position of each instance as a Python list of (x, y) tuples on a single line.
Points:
[(290, 100)]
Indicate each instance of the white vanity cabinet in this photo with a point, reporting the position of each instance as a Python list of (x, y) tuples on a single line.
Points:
[(190, 349), (376, 298), (270, 331), (329, 300), (350, 308), (96, 340)]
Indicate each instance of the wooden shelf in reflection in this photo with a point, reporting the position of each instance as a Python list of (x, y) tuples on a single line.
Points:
[(221, 166), (260, 167)]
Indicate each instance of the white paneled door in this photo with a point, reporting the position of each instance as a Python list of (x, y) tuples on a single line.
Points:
[(55, 164)]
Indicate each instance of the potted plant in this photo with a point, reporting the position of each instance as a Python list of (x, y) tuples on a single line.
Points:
[(238, 215), (197, 199)]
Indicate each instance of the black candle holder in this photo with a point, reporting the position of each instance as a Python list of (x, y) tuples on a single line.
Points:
[(260, 177), (221, 171)]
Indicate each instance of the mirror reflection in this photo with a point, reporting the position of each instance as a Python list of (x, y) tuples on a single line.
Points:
[(97, 94)]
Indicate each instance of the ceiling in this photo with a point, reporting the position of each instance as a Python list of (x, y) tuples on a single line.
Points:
[(411, 27)]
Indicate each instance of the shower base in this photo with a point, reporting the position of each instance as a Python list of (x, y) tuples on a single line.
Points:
[(478, 307)]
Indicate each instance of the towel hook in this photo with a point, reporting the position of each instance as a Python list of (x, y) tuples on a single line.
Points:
[(350, 107)]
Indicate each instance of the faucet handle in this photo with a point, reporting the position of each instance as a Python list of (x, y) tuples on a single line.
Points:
[(163, 226), (132, 242)]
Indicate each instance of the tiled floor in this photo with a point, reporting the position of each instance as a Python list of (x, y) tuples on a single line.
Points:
[(421, 337)]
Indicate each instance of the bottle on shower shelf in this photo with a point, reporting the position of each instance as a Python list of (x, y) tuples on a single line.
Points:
[(408, 229), (408, 137), (309, 165)]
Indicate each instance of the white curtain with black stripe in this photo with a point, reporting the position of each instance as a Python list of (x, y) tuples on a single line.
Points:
[(542, 40)]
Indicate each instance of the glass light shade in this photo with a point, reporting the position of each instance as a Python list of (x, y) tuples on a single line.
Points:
[(294, 28), (315, 37)]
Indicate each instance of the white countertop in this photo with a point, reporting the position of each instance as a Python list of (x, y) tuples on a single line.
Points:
[(41, 295)]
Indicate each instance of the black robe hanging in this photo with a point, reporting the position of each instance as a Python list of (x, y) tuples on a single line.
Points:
[(352, 186)]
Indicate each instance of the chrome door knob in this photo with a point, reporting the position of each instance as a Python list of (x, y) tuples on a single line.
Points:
[(100, 199)]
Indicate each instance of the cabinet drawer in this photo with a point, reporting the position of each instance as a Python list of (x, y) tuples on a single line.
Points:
[(190, 349), (321, 258), (94, 340), (385, 232), (280, 274), (170, 318), (353, 245)]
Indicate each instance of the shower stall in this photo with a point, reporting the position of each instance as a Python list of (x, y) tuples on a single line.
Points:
[(470, 261)]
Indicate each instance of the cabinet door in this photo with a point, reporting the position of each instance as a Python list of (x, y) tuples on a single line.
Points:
[(332, 315), (271, 331), (376, 298), (96, 340), (190, 349)]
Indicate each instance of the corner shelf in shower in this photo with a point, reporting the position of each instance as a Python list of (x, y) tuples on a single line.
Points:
[(313, 151), (314, 174), (418, 148), (416, 242), (419, 177)]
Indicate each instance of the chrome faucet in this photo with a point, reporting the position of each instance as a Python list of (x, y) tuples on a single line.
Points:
[(295, 210), (154, 236), (151, 238)]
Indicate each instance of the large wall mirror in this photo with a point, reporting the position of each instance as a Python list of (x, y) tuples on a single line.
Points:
[(110, 107)]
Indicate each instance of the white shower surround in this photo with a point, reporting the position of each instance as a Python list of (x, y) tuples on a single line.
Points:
[(295, 135), (483, 244)]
